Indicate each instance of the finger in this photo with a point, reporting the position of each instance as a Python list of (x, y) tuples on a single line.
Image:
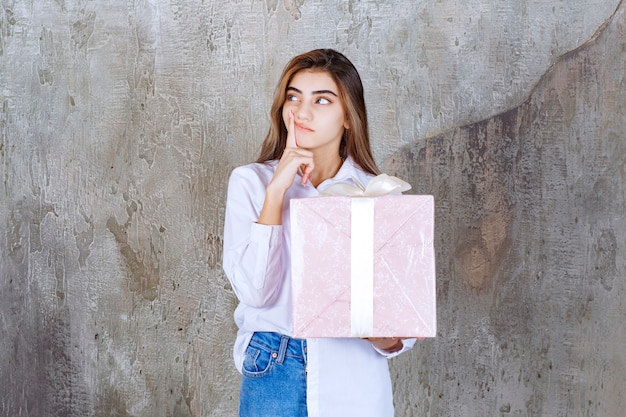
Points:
[(291, 131), (306, 172)]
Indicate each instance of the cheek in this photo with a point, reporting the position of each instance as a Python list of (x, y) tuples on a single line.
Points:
[(340, 122)]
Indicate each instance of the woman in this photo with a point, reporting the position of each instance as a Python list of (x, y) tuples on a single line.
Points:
[(318, 137)]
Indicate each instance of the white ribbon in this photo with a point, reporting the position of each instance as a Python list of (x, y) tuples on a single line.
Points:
[(362, 268), (362, 245), (382, 184)]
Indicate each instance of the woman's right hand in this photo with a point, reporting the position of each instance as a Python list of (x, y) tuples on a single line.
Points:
[(293, 158)]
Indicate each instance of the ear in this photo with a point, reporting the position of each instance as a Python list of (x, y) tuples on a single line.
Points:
[(346, 124)]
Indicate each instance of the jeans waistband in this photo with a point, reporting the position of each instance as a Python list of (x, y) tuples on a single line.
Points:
[(279, 345)]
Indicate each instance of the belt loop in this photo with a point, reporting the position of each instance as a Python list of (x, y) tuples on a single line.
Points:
[(282, 350)]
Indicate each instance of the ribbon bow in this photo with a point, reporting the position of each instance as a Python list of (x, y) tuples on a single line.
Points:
[(382, 184)]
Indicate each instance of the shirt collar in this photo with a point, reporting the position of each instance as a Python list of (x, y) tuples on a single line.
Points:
[(348, 171)]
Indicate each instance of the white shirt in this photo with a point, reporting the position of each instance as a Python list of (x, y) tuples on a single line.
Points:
[(346, 377)]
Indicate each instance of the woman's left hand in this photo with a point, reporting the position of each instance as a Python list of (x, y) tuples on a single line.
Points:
[(388, 344)]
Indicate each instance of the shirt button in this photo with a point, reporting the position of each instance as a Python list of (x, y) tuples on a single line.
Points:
[(274, 355)]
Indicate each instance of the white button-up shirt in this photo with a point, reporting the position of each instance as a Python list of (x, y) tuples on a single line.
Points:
[(346, 377)]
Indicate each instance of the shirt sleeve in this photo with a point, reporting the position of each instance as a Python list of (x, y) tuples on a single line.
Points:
[(252, 255), (406, 345)]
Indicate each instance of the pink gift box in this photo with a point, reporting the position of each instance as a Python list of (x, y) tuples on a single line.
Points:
[(363, 267)]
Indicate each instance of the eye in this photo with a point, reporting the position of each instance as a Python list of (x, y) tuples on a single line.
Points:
[(291, 97), (323, 100)]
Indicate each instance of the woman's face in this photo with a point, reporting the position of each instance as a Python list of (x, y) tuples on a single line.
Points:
[(319, 118)]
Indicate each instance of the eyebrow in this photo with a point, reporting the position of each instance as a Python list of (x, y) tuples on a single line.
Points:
[(312, 92)]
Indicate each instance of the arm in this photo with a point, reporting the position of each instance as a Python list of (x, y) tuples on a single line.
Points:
[(252, 257), (292, 159), (253, 236)]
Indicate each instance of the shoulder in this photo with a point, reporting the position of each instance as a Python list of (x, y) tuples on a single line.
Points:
[(253, 173), (248, 182)]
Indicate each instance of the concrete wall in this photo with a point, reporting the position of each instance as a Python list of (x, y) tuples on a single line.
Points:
[(120, 122)]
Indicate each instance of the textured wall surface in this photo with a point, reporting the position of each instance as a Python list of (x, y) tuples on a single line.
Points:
[(120, 123), (531, 233)]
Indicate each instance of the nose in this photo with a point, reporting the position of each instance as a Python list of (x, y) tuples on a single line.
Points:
[(303, 111)]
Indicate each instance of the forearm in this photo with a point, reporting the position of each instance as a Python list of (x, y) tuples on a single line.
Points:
[(272, 211)]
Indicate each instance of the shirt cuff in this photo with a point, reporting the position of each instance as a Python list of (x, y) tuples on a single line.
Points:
[(406, 345)]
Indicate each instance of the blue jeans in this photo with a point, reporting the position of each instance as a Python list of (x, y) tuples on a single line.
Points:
[(274, 377)]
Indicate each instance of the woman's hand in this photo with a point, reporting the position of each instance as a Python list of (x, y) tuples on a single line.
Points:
[(293, 158), (388, 344)]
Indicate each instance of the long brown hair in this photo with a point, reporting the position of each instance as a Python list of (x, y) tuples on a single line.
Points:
[(355, 141)]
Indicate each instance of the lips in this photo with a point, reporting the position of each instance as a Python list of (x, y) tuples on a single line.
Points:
[(303, 127)]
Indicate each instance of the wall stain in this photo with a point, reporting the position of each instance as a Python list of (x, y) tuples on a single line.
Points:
[(84, 239), (271, 6), (27, 216), (46, 49), (604, 254), (81, 30), (145, 277), (7, 21), (16, 239), (484, 248), (293, 7), (215, 250)]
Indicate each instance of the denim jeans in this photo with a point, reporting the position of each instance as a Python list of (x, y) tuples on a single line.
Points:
[(274, 377)]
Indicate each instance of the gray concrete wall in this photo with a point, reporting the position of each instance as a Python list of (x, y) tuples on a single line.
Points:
[(119, 125)]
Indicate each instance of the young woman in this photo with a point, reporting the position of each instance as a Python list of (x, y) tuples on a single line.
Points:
[(318, 136)]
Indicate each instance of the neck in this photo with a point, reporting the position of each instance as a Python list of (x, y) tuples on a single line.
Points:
[(325, 168)]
